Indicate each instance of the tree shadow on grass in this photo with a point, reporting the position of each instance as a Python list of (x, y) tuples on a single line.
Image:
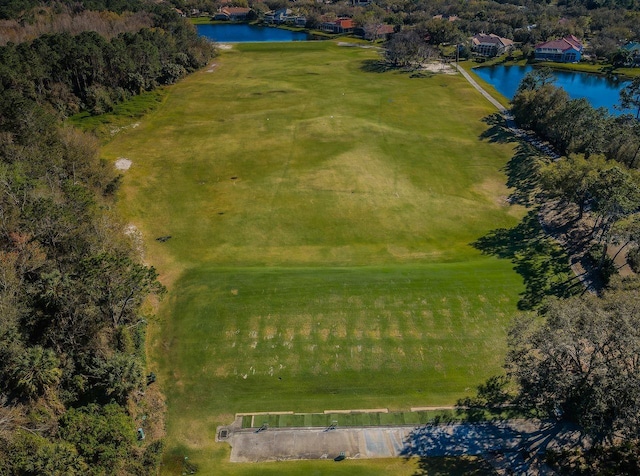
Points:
[(523, 173), (381, 66), (522, 170), (453, 466), (498, 131), (541, 262), (376, 66)]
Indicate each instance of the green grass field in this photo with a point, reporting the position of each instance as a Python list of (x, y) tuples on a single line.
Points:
[(321, 213)]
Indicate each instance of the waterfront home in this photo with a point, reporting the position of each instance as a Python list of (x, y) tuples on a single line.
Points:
[(232, 13), (633, 48), (565, 50), (278, 16), (375, 31), (490, 45), (340, 25)]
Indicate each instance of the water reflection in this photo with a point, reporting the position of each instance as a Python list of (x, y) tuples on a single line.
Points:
[(248, 33), (600, 91)]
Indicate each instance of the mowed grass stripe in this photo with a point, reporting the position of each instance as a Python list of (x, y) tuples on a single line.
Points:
[(291, 339)]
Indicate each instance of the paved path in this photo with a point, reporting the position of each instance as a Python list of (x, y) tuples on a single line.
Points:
[(513, 445), (480, 89), (511, 123)]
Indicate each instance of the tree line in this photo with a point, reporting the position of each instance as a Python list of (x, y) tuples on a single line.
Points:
[(74, 383), (89, 72), (573, 125), (606, 25), (576, 359)]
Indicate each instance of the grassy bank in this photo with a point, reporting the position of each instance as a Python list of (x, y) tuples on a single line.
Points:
[(321, 211)]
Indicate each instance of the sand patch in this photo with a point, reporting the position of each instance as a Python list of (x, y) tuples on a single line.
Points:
[(224, 46), (212, 67), (123, 163), (442, 68), (305, 329), (324, 334)]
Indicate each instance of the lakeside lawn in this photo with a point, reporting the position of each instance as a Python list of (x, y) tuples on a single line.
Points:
[(321, 213)]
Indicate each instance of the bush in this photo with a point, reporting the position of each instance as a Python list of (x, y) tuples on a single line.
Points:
[(606, 266), (633, 259)]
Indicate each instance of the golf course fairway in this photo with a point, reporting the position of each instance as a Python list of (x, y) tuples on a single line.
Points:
[(317, 212)]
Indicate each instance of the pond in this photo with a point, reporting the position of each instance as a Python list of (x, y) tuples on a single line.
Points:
[(248, 33), (600, 91)]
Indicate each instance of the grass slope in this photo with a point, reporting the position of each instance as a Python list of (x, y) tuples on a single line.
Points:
[(321, 213)]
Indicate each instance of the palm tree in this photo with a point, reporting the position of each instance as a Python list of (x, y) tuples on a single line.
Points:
[(36, 371)]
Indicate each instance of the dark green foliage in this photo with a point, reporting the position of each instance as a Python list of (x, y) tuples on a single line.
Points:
[(606, 266), (30, 454), (116, 377), (71, 288), (572, 125), (35, 371), (89, 72), (578, 361), (102, 435), (633, 258)]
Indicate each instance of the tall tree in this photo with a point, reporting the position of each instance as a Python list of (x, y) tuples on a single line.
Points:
[(630, 97), (573, 179), (579, 359)]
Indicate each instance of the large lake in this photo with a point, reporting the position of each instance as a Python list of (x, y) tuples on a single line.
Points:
[(600, 91), (248, 33)]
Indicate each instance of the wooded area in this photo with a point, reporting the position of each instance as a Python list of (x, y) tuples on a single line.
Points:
[(72, 330)]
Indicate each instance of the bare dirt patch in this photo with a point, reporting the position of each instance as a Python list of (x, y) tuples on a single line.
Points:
[(439, 67), (123, 163)]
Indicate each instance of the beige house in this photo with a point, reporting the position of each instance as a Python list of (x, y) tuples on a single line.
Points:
[(490, 45)]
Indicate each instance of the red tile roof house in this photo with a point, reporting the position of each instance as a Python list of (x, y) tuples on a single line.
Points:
[(565, 50), (341, 25), (490, 45), (232, 13)]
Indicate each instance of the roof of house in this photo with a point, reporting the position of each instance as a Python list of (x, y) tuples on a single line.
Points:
[(492, 39), (235, 10), (385, 29), (446, 17), (632, 46), (563, 44), (343, 22)]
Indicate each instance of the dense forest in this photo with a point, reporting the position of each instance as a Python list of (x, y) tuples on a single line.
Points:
[(75, 388)]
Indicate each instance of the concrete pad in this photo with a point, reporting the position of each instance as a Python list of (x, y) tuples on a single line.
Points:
[(515, 437), (312, 443)]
